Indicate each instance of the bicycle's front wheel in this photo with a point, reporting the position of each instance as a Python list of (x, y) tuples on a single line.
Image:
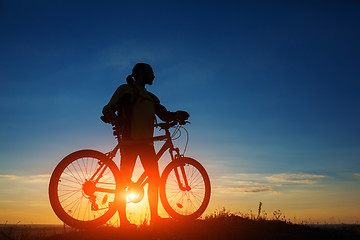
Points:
[(83, 190), (185, 189)]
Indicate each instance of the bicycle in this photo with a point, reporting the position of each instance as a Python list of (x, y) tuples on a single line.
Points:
[(84, 187)]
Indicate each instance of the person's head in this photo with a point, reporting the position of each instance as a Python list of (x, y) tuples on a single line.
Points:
[(141, 72)]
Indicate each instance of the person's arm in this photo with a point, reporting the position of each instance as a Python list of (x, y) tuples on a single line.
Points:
[(166, 115)]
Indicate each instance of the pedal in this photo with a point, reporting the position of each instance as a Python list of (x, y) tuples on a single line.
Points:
[(94, 207)]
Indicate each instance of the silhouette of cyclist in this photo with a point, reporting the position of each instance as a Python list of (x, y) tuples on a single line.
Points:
[(135, 108)]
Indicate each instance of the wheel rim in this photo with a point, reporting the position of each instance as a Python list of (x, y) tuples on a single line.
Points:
[(186, 202), (76, 192)]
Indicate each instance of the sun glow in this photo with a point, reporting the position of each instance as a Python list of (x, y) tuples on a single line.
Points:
[(131, 196)]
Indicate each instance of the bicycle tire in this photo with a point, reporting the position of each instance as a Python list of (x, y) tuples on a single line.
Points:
[(183, 204), (67, 193)]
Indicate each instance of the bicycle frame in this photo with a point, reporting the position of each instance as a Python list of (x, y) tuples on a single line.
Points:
[(143, 179)]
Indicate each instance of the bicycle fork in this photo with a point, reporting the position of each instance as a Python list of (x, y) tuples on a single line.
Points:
[(183, 185)]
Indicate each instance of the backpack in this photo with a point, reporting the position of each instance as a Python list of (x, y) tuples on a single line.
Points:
[(123, 122)]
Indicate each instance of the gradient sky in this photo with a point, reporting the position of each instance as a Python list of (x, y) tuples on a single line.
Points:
[(272, 88)]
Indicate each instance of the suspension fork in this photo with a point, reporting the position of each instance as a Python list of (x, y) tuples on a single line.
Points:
[(185, 186), (179, 163)]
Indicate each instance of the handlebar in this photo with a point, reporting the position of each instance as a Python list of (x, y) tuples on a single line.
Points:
[(163, 125), (167, 125)]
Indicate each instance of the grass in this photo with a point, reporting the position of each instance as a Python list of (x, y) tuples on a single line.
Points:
[(221, 224), (29, 232)]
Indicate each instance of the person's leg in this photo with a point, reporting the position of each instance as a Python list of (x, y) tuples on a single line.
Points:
[(150, 164), (127, 164)]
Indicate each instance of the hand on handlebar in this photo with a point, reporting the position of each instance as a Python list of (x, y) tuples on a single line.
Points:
[(182, 115)]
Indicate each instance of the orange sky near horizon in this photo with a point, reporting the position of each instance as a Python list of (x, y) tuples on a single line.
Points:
[(24, 200)]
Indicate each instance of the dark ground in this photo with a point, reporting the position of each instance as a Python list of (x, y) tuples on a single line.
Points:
[(229, 227)]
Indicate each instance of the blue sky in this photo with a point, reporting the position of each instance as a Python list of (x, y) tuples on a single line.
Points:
[(272, 88)]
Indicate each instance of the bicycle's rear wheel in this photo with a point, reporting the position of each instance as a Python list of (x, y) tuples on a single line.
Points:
[(180, 203), (78, 200)]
